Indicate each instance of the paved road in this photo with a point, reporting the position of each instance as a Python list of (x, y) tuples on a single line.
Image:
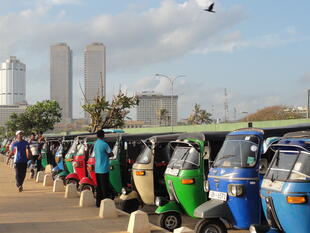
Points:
[(39, 210)]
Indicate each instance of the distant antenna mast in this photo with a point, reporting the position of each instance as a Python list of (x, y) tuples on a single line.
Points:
[(225, 106), (235, 114)]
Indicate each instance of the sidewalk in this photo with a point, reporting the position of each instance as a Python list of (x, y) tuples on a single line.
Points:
[(39, 210)]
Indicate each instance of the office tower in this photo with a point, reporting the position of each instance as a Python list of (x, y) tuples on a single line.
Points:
[(94, 71), (151, 103), (12, 82), (61, 78)]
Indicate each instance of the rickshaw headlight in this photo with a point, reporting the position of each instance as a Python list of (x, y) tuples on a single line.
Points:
[(124, 191), (235, 190), (296, 199), (206, 186)]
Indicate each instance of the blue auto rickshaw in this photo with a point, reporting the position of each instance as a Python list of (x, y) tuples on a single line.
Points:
[(285, 190), (234, 181)]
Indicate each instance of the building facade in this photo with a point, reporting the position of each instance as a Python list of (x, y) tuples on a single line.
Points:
[(12, 82), (94, 71), (61, 78), (7, 110), (150, 105)]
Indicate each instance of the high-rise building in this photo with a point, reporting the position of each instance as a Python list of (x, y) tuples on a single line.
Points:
[(150, 104), (12, 82), (61, 78), (94, 71), (7, 110)]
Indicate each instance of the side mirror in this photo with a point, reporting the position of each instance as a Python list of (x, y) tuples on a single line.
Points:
[(125, 146), (263, 165), (207, 152)]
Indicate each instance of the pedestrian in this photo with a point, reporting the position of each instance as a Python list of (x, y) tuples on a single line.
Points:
[(102, 167), (22, 153), (35, 161)]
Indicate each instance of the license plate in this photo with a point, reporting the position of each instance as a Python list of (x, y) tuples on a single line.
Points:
[(218, 195), (275, 185), (173, 172)]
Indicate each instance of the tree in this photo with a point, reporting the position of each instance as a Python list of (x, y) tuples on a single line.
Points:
[(276, 112), (109, 115), (199, 116), (39, 117), (162, 115)]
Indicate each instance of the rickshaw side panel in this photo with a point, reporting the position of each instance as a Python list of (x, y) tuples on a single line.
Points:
[(292, 217)]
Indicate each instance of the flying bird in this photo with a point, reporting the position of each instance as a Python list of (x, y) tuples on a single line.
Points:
[(210, 8)]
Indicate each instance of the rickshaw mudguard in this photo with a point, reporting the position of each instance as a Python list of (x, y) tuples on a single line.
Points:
[(129, 196), (72, 176), (214, 209), (87, 180), (171, 206), (63, 174)]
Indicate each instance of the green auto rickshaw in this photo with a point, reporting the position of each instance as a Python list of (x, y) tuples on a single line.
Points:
[(148, 173), (185, 174)]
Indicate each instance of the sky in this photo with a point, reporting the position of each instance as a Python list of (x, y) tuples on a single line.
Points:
[(258, 50)]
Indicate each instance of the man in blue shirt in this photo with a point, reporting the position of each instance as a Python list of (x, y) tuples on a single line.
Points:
[(102, 167), (19, 148)]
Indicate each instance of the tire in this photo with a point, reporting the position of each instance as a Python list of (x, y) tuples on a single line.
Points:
[(87, 187), (210, 226), (130, 206), (73, 181), (170, 221)]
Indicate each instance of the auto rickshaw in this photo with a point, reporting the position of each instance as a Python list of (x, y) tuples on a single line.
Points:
[(80, 175), (3, 144), (285, 190), (185, 175), (148, 173), (126, 149), (234, 181)]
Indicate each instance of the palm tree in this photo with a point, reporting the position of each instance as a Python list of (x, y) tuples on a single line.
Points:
[(162, 115), (199, 116)]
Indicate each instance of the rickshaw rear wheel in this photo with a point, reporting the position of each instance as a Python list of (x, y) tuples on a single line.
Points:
[(73, 181), (210, 226), (170, 220), (87, 187), (130, 206)]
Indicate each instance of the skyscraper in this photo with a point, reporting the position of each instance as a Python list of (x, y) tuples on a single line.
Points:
[(61, 78), (94, 71), (12, 82), (150, 104)]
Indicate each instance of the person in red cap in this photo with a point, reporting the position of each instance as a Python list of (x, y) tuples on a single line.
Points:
[(19, 149)]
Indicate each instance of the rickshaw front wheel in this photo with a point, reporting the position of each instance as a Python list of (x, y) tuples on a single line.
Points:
[(210, 226), (73, 181), (170, 220), (87, 187), (130, 206)]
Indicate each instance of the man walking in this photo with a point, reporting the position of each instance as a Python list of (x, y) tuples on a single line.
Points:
[(102, 166), (34, 147), (19, 148)]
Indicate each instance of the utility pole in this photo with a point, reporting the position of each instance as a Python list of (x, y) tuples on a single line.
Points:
[(308, 105), (225, 106), (171, 80)]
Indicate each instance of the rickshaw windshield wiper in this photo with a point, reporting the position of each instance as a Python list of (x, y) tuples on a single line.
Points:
[(185, 154), (224, 157)]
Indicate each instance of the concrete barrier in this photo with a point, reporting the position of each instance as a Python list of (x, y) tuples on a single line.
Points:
[(71, 191), (48, 168), (48, 180), (183, 230), (40, 177), (138, 222), (58, 186), (107, 209), (87, 199)]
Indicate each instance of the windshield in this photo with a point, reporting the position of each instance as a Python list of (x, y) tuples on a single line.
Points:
[(145, 156), (73, 148), (289, 165), (115, 151), (184, 157), (59, 151), (239, 152), (80, 150)]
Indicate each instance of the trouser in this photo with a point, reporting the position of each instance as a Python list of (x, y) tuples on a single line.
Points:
[(20, 173), (34, 161), (103, 187)]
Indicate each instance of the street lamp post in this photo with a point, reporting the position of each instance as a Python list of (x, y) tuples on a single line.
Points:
[(171, 80)]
